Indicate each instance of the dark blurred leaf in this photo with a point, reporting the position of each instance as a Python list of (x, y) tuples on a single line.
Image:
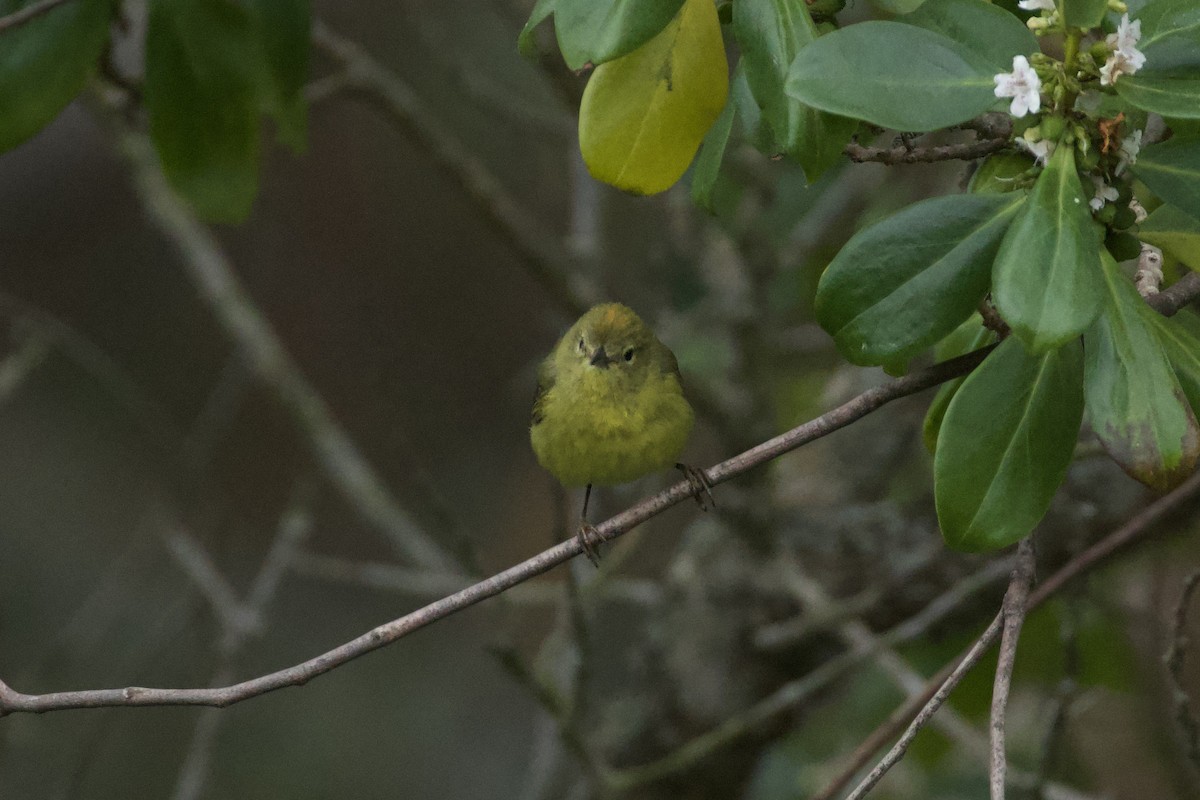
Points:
[(1000, 173), (894, 75), (284, 31), (988, 33), (1083, 13), (45, 62), (902, 284), (204, 80), (1172, 171), (712, 153), (1005, 444), (770, 33), (1134, 401), (525, 41), (1046, 282)]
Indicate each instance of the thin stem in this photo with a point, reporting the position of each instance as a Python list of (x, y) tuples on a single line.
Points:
[(1015, 600)]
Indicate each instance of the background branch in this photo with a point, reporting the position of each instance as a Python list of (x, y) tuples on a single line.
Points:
[(869, 401)]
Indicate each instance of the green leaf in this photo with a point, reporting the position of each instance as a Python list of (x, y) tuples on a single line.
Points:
[(46, 62), (643, 115), (202, 91), (1083, 13), (902, 284), (712, 153), (1000, 173), (1135, 403), (526, 44), (894, 75), (897, 6), (284, 30), (1169, 83), (1179, 336), (1046, 282), (1005, 444), (1172, 171), (1175, 232), (969, 336), (986, 32), (770, 33), (751, 123), (599, 31)]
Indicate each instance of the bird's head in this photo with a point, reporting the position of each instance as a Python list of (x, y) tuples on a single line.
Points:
[(609, 343)]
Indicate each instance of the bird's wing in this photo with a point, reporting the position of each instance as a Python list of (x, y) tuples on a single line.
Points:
[(545, 384)]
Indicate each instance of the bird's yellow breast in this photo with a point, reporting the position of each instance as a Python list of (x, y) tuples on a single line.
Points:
[(592, 432)]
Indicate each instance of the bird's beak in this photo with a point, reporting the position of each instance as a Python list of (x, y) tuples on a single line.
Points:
[(600, 358)]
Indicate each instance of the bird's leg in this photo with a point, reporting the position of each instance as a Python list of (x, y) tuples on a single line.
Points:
[(701, 487), (589, 540)]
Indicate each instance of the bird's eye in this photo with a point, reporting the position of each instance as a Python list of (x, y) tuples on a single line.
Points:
[(629, 354)]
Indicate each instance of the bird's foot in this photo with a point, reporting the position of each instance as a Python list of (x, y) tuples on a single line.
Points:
[(589, 542), (701, 487)]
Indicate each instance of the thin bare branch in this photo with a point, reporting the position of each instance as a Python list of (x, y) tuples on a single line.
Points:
[(1185, 720), (244, 322), (1138, 527), (16, 368), (1177, 295), (965, 151), (299, 674), (898, 750), (1015, 600), (194, 560), (21, 16)]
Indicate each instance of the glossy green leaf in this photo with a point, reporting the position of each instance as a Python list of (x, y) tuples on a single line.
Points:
[(599, 31), (891, 74), (712, 153), (1169, 83), (203, 90), (1134, 401), (987, 33), (902, 284), (1005, 444), (770, 33), (969, 336), (284, 31), (1175, 232), (46, 62), (1172, 171), (1179, 336), (1046, 282), (1083, 13), (644, 115)]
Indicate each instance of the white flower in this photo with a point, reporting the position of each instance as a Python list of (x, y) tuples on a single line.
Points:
[(1041, 149), (1126, 39), (1036, 5), (1131, 145), (1022, 85), (1104, 193), (1125, 58)]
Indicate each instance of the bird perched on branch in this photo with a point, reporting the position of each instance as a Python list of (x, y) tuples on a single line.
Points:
[(610, 408)]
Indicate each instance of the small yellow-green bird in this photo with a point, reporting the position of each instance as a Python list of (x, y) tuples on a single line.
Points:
[(609, 407)]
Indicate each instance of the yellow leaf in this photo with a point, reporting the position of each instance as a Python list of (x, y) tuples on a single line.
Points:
[(643, 115)]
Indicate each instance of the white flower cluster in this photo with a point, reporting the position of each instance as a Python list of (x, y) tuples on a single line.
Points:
[(1022, 85), (1125, 58)]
